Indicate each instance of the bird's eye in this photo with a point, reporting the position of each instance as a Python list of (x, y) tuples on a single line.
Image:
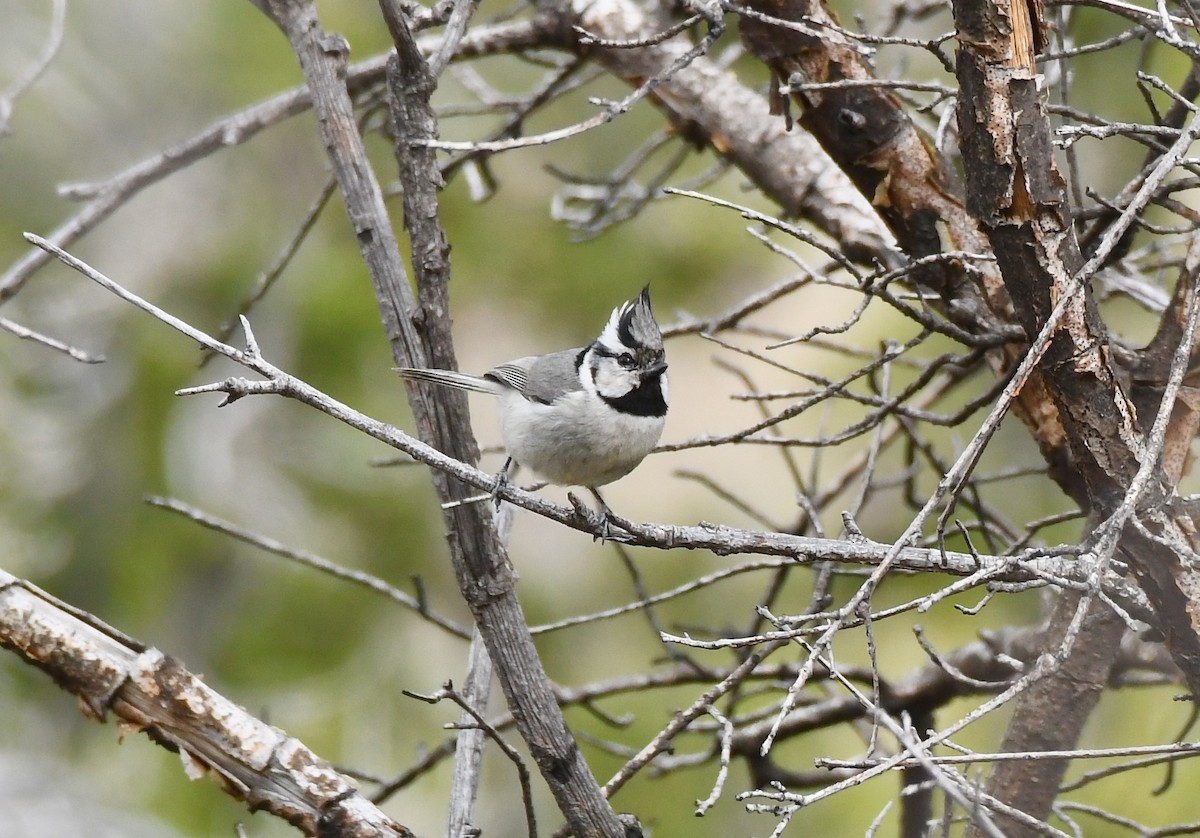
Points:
[(626, 361)]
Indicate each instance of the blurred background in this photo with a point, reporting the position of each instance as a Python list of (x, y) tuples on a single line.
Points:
[(82, 445)]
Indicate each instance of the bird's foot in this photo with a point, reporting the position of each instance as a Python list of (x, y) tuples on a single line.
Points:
[(596, 522), (606, 517), (501, 483), (604, 524)]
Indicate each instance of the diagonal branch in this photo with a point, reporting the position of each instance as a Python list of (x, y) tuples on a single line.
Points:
[(486, 580), (705, 102), (1029, 567), (154, 693)]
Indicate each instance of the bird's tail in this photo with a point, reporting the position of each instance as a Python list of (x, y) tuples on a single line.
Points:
[(448, 378)]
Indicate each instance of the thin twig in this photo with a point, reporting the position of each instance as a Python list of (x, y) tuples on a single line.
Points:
[(303, 557)]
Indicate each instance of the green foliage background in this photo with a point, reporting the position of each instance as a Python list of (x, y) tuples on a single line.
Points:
[(81, 445)]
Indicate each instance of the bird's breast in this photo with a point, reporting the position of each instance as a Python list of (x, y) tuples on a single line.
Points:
[(577, 440)]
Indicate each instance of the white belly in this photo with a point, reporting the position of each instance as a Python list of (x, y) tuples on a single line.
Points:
[(565, 446)]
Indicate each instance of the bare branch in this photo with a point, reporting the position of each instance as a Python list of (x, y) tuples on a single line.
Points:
[(308, 559), (51, 343), (35, 70), (154, 693)]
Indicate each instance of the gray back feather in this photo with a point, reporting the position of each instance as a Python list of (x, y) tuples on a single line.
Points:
[(540, 378)]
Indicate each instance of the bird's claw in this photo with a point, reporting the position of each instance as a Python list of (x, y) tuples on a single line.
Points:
[(501, 483), (595, 522), (605, 526), (500, 486), (601, 522)]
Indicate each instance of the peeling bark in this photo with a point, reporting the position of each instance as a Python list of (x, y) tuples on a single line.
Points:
[(869, 134), (155, 694), (1083, 406), (1019, 196)]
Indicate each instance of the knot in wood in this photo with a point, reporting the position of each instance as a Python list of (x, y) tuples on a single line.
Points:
[(853, 120)]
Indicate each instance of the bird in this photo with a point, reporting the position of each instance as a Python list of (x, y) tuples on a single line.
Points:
[(584, 416)]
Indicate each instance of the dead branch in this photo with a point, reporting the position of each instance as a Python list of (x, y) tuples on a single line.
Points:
[(153, 693)]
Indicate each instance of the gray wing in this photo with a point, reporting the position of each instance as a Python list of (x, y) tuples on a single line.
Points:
[(540, 378)]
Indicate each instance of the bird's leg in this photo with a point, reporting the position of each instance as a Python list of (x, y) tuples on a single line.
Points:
[(501, 482), (606, 515)]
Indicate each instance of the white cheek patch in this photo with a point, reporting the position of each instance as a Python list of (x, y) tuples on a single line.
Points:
[(610, 380)]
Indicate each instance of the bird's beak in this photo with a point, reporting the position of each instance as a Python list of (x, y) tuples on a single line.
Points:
[(654, 371)]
